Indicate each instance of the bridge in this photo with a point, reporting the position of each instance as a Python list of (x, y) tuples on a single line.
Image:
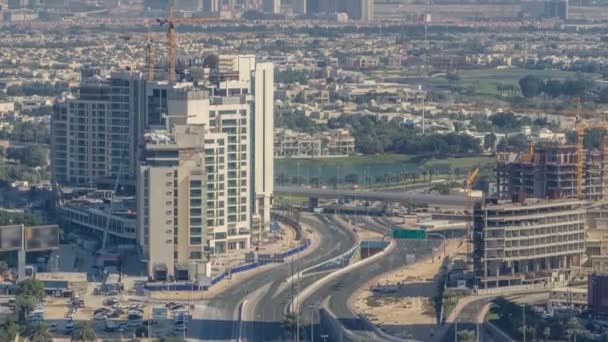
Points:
[(314, 194)]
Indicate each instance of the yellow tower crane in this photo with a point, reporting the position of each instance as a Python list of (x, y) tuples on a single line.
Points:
[(172, 35)]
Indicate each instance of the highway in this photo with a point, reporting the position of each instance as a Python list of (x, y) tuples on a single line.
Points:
[(337, 292), (265, 310), (385, 196), (220, 319)]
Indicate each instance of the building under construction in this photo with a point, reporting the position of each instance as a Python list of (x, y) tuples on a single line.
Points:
[(534, 241), (534, 232), (550, 171)]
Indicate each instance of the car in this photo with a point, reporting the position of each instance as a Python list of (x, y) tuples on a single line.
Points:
[(100, 317), (110, 301), (113, 293), (180, 327), (69, 327), (101, 310), (114, 314), (134, 314)]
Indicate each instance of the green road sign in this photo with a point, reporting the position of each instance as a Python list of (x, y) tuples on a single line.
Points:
[(414, 234)]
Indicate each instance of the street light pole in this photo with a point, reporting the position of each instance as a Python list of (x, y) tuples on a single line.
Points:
[(523, 310)]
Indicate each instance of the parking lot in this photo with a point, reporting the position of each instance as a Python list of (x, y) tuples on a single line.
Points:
[(113, 316)]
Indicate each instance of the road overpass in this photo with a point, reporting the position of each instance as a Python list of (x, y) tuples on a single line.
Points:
[(314, 194)]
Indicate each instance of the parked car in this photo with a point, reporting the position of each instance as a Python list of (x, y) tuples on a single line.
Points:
[(100, 317)]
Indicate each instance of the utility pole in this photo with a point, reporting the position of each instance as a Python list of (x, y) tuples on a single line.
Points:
[(523, 310)]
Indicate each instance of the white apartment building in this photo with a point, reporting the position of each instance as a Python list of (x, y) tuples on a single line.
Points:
[(94, 136), (229, 203)]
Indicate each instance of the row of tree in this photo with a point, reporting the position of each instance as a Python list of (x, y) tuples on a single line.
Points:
[(374, 135), (28, 132), (532, 86), (510, 319), (37, 88)]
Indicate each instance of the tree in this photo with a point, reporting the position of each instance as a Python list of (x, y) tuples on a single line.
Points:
[(573, 327), (531, 86), (31, 287), (289, 322), (547, 333), (466, 336), (31, 155), (351, 178), (25, 305), (554, 88), (3, 267), (603, 95), (211, 61), (39, 333), (489, 141), (83, 332), (9, 331), (516, 143)]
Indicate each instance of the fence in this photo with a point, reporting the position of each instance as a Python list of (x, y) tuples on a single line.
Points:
[(278, 258)]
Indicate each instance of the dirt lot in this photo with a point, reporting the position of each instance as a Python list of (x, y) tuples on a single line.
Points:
[(408, 301)]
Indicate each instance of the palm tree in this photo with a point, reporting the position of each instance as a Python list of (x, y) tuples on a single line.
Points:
[(39, 333), (547, 333), (466, 336), (573, 327), (83, 332)]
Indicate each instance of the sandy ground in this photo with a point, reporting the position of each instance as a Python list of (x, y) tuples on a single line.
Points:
[(411, 310)]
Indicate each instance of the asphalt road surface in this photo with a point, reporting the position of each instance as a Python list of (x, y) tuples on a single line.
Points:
[(220, 320), (336, 293)]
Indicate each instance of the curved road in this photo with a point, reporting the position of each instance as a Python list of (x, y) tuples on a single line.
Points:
[(220, 321), (336, 293), (265, 309)]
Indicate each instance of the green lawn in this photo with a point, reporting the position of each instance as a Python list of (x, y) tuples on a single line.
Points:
[(350, 160), (463, 163), (484, 81), (373, 166)]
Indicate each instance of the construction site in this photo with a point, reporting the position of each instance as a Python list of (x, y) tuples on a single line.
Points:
[(533, 229)]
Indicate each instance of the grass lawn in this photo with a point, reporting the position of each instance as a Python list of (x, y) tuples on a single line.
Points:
[(463, 162), (449, 302), (350, 160), (484, 81)]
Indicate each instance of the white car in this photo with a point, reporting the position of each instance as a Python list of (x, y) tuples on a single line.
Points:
[(101, 317)]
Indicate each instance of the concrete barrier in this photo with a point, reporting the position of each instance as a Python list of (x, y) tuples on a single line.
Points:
[(307, 292)]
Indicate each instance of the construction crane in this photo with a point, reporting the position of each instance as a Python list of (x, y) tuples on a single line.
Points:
[(172, 36), (150, 52), (471, 177), (581, 126)]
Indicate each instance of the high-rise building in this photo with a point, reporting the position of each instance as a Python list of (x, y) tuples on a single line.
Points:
[(94, 137), (17, 4), (211, 6), (171, 204), (233, 183), (357, 9), (271, 6), (299, 6), (313, 6), (263, 142)]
